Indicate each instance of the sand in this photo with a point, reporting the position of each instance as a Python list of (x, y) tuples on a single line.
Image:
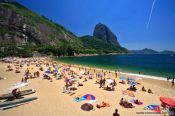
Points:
[(53, 102)]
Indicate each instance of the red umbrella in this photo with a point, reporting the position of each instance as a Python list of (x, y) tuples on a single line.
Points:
[(168, 101)]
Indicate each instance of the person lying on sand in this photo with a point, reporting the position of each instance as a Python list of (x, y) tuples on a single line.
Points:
[(1, 78), (125, 104), (150, 91), (80, 84), (80, 77), (132, 88), (97, 81), (17, 71), (143, 89), (138, 102), (85, 79), (121, 101), (90, 77), (102, 105), (10, 69), (8, 66), (41, 68), (17, 68), (112, 88), (122, 82)]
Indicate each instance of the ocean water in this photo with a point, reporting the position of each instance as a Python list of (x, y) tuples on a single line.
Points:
[(161, 65)]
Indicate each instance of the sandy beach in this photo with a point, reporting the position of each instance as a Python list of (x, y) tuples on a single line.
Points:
[(53, 102)]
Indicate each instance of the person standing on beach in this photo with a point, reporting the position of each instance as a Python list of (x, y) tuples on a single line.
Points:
[(168, 78), (101, 82), (116, 73), (173, 82), (104, 80)]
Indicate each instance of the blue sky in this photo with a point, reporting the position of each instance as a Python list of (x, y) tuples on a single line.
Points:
[(126, 18)]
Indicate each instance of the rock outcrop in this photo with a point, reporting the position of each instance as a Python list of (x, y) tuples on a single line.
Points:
[(19, 25), (102, 32)]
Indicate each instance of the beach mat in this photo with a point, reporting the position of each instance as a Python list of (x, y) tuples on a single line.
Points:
[(133, 101), (80, 99)]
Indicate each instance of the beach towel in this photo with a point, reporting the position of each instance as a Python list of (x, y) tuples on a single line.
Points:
[(17, 85), (79, 99), (133, 101), (155, 108), (129, 93)]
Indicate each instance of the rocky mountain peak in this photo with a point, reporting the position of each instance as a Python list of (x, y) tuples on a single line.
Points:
[(102, 32)]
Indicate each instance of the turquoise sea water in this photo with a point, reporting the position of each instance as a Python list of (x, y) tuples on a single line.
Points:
[(155, 64)]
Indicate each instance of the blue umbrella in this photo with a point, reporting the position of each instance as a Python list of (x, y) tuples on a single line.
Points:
[(89, 97), (122, 78), (56, 71), (133, 83), (48, 71), (132, 79)]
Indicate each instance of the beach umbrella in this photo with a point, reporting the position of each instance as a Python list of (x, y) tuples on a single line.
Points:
[(55, 71), (89, 97), (133, 83), (51, 68), (168, 101), (87, 107), (48, 71), (122, 78), (109, 81), (91, 101), (131, 79), (155, 108)]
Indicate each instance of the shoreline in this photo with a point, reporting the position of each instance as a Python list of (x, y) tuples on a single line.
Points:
[(81, 55), (123, 73)]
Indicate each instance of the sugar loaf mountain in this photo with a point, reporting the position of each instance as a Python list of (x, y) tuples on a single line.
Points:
[(23, 32)]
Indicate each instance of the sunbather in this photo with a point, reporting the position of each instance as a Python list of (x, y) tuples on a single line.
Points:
[(121, 102), (150, 91), (102, 105), (17, 71), (132, 88), (122, 82), (80, 84), (143, 89), (138, 102), (125, 104)]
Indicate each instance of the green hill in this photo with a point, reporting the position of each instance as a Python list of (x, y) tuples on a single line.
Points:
[(100, 46)]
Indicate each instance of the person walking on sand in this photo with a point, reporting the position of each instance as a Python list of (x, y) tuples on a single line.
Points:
[(37, 74), (104, 74), (116, 113), (168, 79), (116, 73), (173, 82), (101, 82), (104, 80)]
